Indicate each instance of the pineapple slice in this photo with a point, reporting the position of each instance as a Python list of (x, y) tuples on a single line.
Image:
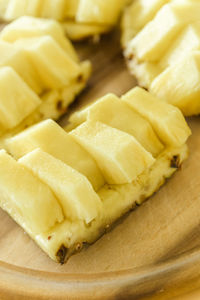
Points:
[(137, 15), (75, 193), (153, 40), (120, 161), (51, 138), (119, 155), (79, 31), (16, 9), (17, 59), (17, 101), (91, 17), (187, 42), (42, 52), (183, 84), (54, 9), (99, 12), (167, 121), (26, 198), (28, 27), (112, 111)]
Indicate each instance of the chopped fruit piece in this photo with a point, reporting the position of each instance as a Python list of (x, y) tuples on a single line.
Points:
[(153, 40), (17, 100), (16, 8), (26, 198), (116, 113), (79, 31), (188, 41), (71, 7), (98, 11), (51, 138), (179, 84), (137, 15), (18, 60), (120, 157), (72, 189), (28, 27), (42, 52), (54, 9), (167, 120)]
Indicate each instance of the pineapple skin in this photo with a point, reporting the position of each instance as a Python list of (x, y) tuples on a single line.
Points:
[(68, 238)]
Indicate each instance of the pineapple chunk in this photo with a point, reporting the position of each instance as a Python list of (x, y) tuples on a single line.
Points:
[(153, 40), (188, 41), (179, 84), (71, 7), (120, 157), (167, 120), (54, 9), (17, 100), (78, 31), (29, 27), (17, 59), (99, 12), (75, 193), (115, 113), (51, 138), (137, 15), (16, 8), (54, 66), (25, 197)]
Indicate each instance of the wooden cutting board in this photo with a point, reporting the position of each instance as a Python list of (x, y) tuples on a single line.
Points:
[(150, 254)]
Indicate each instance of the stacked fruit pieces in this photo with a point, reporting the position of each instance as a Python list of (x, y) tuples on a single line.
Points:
[(81, 18), (163, 51), (40, 73), (65, 188)]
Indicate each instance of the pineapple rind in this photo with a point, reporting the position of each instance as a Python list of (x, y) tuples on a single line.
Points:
[(124, 197)]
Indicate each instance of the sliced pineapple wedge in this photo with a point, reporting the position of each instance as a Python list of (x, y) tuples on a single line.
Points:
[(91, 17), (75, 193), (167, 120), (121, 160), (51, 138), (162, 54), (37, 52), (114, 112), (81, 214), (26, 198)]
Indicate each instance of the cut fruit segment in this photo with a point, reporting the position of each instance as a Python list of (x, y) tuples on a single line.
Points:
[(54, 9), (75, 193), (51, 138), (154, 39), (120, 157), (16, 8), (26, 198), (79, 31), (17, 100), (18, 60), (99, 12), (53, 65), (179, 84), (167, 120), (28, 27), (188, 41), (115, 113), (137, 15)]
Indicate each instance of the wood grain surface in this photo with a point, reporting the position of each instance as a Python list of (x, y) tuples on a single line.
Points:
[(150, 254)]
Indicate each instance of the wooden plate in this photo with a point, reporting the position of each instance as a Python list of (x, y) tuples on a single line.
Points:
[(151, 253)]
